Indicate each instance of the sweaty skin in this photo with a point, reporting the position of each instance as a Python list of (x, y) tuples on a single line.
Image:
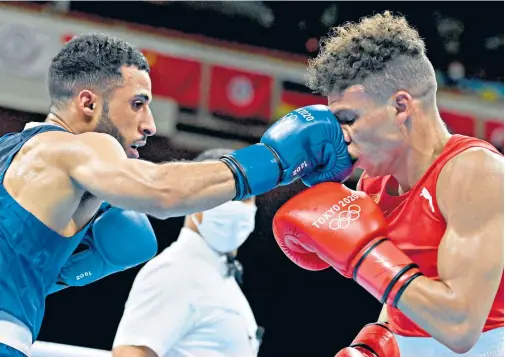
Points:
[(470, 257), (470, 261), (402, 139), (62, 178), (61, 168)]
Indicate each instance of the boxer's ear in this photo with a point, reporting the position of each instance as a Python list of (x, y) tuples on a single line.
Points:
[(87, 102), (402, 102)]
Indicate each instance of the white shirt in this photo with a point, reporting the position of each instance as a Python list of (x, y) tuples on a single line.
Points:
[(183, 304)]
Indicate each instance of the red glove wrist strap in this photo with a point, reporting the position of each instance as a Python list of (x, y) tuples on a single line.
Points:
[(398, 289), (376, 339), (384, 270)]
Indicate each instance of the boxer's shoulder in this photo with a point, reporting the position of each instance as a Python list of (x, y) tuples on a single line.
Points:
[(77, 143), (476, 172), (41, 142), (36, 157), (66, 151), (474, 158), (48, 144), (50, 158), (471, 164)]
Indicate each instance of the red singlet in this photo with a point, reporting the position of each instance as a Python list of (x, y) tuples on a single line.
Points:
[(416, 226)]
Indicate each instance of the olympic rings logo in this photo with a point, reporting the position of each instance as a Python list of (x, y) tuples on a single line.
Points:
[(344, 218), (291, 116)]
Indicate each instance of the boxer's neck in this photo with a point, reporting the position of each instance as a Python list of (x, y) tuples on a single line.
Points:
[(426, 141), (69, 120)]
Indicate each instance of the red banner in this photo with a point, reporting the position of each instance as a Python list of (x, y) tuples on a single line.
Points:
[(66, 37), (298, 99), (493, 133), (240, 94), (290, 100), (459, 123), (175, 78)]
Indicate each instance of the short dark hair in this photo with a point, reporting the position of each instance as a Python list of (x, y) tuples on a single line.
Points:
[(93, 60), (212, 154), (381, 52)]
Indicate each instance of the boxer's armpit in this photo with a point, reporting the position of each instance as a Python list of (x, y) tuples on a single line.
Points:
[(98, 164)]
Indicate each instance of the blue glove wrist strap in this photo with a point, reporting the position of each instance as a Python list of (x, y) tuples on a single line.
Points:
[(256, 169)]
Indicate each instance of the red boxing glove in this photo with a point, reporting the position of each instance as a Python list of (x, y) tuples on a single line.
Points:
[(374, 340), (332, 225)]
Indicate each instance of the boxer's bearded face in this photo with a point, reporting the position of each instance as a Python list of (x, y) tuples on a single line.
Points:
[(371, 130), (106, 125), (125, 113)]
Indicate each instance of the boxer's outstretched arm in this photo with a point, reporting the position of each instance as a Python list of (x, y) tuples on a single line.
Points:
[(470, 257), (98, 164)]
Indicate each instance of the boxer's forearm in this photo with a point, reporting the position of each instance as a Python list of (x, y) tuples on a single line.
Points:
[(434, 307), (98, 164), (195, 187)]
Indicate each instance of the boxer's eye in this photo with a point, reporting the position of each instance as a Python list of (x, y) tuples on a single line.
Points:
[(137, 105), (346, 120), (346, 117)]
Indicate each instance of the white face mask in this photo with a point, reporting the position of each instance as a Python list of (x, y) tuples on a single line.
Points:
[(226, 227)]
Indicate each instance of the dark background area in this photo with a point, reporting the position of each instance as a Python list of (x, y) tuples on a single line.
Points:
[(304, 313), (296, 22)]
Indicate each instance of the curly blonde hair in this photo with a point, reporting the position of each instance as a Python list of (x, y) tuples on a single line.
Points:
[(381, 52)]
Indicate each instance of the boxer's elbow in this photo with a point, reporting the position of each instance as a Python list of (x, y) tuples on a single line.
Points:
[(461, 337), (462, 342), (172, 204), (166, 206), (455, 328)]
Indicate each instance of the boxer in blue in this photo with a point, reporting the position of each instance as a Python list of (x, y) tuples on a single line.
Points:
[(56, 230)]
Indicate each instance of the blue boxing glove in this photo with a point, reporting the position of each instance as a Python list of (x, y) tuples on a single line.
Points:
[(307, 143), (117, 240)]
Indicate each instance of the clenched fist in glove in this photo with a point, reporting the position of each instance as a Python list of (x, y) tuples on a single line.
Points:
[(307, 143), (332, 225), (374, 340)]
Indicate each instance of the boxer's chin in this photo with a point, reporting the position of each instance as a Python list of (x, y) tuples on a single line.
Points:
[(354, 162), (132, 153)]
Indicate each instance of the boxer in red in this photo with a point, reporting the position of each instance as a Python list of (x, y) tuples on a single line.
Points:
[(426, 235)]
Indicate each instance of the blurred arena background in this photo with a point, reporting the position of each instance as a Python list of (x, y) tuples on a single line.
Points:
[(222, 72)]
